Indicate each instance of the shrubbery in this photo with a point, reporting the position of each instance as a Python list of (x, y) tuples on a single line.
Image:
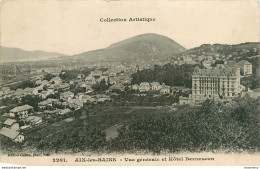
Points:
[(228, 127), (212, 127)]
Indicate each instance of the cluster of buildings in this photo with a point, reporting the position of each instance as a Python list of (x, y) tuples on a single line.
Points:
[(20, 117), (207, 61), (219, 83), (154, 86), (43, 89)]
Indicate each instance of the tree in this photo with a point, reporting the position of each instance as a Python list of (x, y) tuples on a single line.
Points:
[(172, 75), (48, 76), (32, 101), (100, 87)]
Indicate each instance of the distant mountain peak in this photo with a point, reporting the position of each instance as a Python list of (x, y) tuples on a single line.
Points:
[(145, 37), (144, 46)]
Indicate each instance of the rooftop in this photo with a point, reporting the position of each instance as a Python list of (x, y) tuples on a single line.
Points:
[(231, 71), (21, 108), (9, 133), (33, 118), (244, 62), (9, 122)]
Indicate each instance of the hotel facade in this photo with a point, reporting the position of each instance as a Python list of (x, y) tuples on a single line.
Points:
[(220, 83)]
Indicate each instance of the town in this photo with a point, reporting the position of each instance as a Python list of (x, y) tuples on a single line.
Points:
[(42, 105)]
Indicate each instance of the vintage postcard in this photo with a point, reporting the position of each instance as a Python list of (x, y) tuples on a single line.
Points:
[(120, 82)]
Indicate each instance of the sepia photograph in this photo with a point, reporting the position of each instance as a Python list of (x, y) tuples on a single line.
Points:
[(130, 82)]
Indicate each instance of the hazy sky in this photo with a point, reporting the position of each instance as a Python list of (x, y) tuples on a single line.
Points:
[(73, 27)]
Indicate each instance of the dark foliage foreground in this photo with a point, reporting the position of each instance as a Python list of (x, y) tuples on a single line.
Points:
[(231, 127), (234, 127)]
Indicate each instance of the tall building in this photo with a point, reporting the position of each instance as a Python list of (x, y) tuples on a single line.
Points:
[(218, 83), (245, 67)]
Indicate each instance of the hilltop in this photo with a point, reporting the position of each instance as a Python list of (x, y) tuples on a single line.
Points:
[(141, 47)]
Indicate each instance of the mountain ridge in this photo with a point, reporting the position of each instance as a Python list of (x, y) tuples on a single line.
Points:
[(13, 54)]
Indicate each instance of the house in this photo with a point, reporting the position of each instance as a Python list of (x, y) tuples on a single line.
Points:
[(245, 67), (165, 89), (79, 96), (11, 124), (184, 100), (89, 90), (19, 93), (127, 81), (28, 91), (80, 76), (33, 120), (45, 82), (96, 73), (251, 93), (135, 87), (144, 86), (57, 111), (113, 80), (82, 84), (21, 111), (37, 77), (44, 104), (155, 86), (12, 134), (56, 80), (44, 94), (38, 82), (64, 111), (207, 63), (103, 77), (64, 86), (36, 90), (71, 82), (120, 87), (50, 90), (66, 95), (112, 73), (178, 88), (75, 103), (5, 89), (102, 98), (87, 98), (90, 80)]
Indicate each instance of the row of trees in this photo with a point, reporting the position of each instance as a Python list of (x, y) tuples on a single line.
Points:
[(251, 82), (172, 75), (147, 100)]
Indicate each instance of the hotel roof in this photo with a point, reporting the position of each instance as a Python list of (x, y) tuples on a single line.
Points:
[(232, 71)]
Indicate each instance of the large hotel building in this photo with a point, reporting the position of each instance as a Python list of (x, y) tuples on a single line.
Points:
[(217, 83)]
